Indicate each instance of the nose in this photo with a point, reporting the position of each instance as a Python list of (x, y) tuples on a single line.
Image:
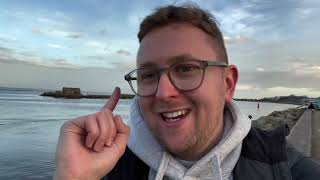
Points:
[(165, 88)]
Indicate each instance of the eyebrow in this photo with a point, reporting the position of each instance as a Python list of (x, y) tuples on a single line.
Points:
[(172, 60)]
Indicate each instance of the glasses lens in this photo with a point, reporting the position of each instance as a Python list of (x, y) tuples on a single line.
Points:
[(187, 75), (144, 82)]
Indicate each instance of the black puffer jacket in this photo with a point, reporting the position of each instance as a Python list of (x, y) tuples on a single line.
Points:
[(264, 156)]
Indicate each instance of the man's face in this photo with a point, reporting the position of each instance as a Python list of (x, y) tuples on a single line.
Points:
[(190, 135)]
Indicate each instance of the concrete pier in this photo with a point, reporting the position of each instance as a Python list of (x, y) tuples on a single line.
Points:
[(315, 137), (305, 135), (300, 134)]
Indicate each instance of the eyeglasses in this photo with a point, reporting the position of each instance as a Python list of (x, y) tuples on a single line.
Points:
[(185, 76)]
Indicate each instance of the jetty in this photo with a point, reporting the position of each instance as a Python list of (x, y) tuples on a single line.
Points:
[(75, 93), (305, 135), (315, 136)]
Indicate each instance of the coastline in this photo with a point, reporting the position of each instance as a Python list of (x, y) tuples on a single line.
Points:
[(58, 94), (277, 118), (268, 101)]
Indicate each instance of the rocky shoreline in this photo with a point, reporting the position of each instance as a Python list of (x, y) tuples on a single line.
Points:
[(277, 118)]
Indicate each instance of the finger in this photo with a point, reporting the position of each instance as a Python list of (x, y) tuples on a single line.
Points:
[(113, 100), (121, 138), (92, 129), (103, 124), (122, 128), (112, 130)]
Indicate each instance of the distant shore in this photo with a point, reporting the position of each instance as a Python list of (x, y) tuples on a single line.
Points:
[(79, 96), (277, 118), (267, 101), (291, 99)]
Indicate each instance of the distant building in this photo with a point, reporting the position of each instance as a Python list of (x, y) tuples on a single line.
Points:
[(71, 91)]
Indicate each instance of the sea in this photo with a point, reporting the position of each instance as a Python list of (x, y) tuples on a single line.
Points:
[(30, 124)]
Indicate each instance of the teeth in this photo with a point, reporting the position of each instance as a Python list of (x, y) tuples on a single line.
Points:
[(174, 114)]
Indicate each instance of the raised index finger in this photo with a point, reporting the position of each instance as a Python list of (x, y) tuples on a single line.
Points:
[(113, 100)]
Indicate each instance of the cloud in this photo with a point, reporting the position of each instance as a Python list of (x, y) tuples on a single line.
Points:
[(35, 76), (260, 69), (303, 65), (96, 57), (53, 63), (14, 56), (73, 36), (7, 38), (124, 52), (56, 33), (234, 21), (289, 79), (37, 31), (5, 50), (236, 39), (128, 66), (63, 63), (95, 44), (103, 32), (42, 19), (245, 87)]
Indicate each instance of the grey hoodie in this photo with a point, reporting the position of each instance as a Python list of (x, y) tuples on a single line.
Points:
[(218, 164)]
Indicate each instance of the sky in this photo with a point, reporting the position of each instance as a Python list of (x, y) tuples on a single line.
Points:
[(91, 44)]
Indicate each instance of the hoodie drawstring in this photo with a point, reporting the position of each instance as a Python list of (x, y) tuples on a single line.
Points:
[(163, 166), (216, 167)]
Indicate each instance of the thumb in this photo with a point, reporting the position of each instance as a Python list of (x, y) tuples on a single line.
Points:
[(123, 131)]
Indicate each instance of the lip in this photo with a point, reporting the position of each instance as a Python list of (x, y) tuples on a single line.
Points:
[(170, 111), (175, 124)]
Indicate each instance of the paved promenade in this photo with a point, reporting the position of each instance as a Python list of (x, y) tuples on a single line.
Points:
[(300, 134), (305, 135), (315, 137)]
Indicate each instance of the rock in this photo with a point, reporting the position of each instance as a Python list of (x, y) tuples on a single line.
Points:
[(277, 118)]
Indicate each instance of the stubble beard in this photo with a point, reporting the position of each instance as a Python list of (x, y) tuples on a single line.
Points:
[(198, 143)]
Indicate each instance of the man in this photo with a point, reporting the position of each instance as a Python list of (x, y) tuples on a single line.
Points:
[(183, 121)]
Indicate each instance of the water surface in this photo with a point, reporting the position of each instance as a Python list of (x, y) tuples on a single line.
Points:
[(29, 128)]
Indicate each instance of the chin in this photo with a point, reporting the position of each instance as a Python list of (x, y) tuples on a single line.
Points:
[(177, 145)]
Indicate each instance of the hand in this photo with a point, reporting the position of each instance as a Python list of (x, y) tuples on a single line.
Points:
[(90, 146)]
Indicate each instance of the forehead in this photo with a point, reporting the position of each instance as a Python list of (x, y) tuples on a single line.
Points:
[(163, 45)]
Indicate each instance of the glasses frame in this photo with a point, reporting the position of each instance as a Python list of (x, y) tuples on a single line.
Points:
[(204, 65)]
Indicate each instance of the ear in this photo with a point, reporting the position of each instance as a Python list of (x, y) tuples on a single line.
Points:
[(231, 78)]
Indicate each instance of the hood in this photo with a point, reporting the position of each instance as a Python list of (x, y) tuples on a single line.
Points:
[(217, 164)]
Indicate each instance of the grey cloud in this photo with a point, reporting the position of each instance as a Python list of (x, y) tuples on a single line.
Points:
[(88, 79), (103, 32), (56, 33), (6, 50), (123, 52), (269, 20), (128, 66), (63, 63), (73, 36), (37, 31), (13, 56), (96, 57), (289, 79)]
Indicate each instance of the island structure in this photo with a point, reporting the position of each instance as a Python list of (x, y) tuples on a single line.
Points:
[(75, 93)]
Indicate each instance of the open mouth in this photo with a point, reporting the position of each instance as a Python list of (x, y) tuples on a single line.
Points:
[(175, 116)]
